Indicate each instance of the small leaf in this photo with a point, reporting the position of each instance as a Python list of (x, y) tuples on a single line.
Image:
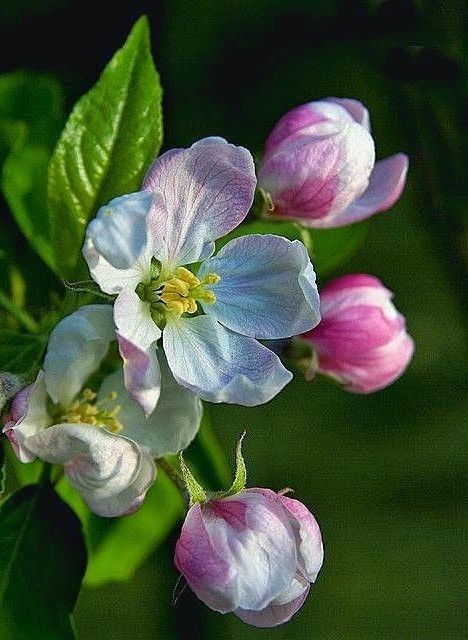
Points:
[(240, 478), (112, 135), (119, 546), (20, 353), (194, 488), (42, 562)]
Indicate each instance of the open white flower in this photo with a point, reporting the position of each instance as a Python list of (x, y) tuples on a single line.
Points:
[(102, 437), (210, 315)]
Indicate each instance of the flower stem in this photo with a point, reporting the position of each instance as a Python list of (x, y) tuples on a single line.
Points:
[(173, 475), (22, 316), (45, 473)]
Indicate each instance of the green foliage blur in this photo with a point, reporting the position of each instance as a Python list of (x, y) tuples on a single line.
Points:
[(386, 475)]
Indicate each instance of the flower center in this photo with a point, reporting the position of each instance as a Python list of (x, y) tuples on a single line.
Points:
[(178, 294), (86, 410)]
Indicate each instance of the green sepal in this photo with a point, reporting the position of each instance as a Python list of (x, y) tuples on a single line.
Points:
[(196, 492), (240, 478)]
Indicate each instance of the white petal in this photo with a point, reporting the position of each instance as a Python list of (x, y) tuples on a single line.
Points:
[(355, 109), (278, 612), (207, 190), (76, 348), (141, 374), (28, 415), (133, 320), (267, 287), (220, 365), (111, 473), (172, 425)]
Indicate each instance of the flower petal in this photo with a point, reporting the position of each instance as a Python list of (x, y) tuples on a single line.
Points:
[(76, 348), (172, 425), (207, 189), (222, 366), (267, 287), (141, 374), (356, 110), (277, 612), (118, 246), (28, 415), (133, 320), (386, 185), (111, 473)]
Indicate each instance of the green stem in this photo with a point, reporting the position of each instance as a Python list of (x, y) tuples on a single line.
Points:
[(45, 473), (23, 318), (173, 475)]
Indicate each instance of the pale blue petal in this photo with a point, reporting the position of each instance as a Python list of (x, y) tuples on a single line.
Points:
[(173, 424), (207, 190), (220, 365), (267, 287), (76, 348)]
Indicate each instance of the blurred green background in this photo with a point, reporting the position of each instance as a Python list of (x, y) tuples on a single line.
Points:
[(385, 475)]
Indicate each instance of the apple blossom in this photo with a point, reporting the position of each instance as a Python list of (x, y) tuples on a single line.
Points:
[(102, 438), (362, 340), (254, 553), (319, 165), (210, 317)]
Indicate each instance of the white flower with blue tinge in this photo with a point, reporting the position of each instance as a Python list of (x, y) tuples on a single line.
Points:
[(104, 441), (147, 248)]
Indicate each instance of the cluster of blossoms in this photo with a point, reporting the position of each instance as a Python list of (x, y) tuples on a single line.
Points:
[(186, 325)]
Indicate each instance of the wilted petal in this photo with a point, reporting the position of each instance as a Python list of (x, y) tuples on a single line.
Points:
[(267, 287), (280, 610), (207, 191), (173, 424), (386, 185), (222, 366), (111, 473), (76, 348), (28, 415)]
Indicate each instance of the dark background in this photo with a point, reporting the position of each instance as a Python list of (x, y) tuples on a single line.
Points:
[(386, 475)]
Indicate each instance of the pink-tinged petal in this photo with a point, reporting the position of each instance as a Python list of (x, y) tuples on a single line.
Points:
[(386, 185), (317, 161), (309, 538), (28, 415), (111, 472), (77, 346), (276, 613), (356, 110), (141, 374), (362, 340), (207, 191)]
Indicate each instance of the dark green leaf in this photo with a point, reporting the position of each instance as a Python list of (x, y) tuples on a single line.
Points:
[(2, 467), (30, 121), (112, 135), (42, 562), (20, 353)]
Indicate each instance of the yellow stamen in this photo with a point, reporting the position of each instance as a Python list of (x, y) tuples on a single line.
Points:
[(86, 410)]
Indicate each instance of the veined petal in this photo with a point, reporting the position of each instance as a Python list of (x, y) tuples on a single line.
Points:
[(386, 185), (76, 348), (267, 287), (118, 246), (207, 190), (277, 612), (173, 424), (111, 473), (28, 415), (220, 365)]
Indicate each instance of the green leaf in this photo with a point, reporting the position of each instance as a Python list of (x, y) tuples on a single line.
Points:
[(119, 546), (20, 353), (240, 478), (2, 467), (196, 492), (31, 116), (328, 248), (112, 135), (42, 562)]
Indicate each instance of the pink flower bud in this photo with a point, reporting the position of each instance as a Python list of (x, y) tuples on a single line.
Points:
[(362, 340), (319, 165), (255, 554)]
